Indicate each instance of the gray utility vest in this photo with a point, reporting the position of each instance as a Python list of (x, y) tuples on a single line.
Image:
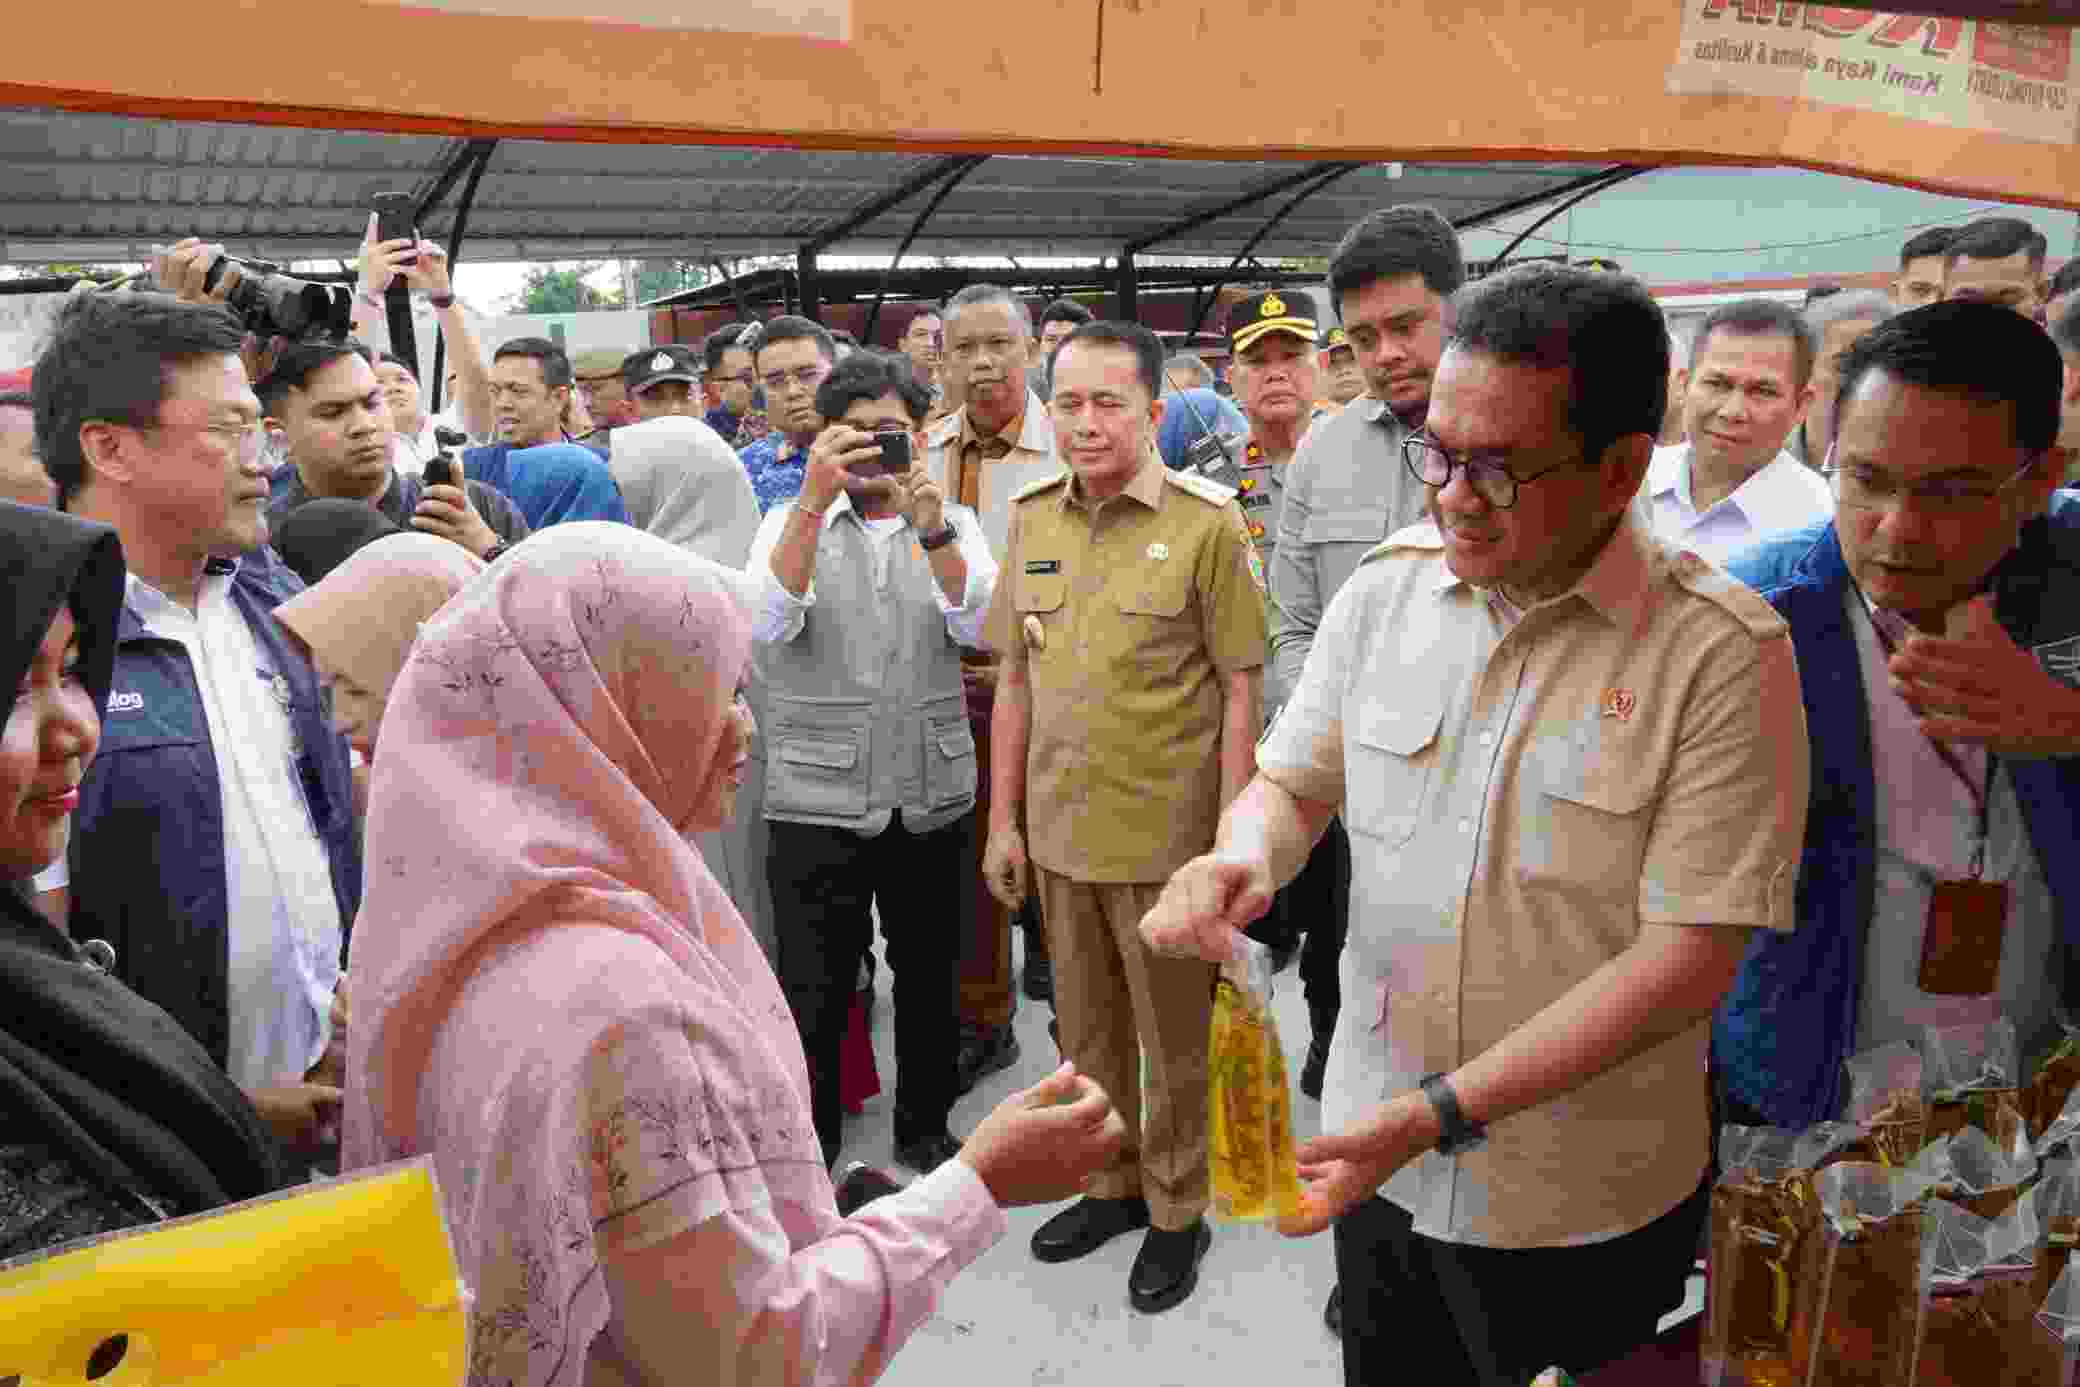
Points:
[(865, 703)]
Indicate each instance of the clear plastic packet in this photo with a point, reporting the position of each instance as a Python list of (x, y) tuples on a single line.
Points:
[(1972, 1077), (1761, 1214), (2058, 1322), (1250, 1122), (2056, 1202), (1984, 1178), (1886, 1105), (1977, 1323), (2051, 1087), (1857, 1296), (2060, 1131)]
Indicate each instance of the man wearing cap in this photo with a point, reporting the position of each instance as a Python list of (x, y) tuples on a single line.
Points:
[(597, 371), (1343, 380), (1271, 340), (663, 383)]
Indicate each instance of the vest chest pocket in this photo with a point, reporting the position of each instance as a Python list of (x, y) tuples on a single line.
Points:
[(949, 752), (816, 760), (1390, 757)]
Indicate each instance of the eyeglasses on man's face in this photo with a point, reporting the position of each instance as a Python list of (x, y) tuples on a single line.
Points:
[(1860, 486), (800, 378), (1491, 479)]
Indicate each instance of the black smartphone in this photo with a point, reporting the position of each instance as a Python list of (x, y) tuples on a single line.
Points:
[(895, 452), (440, 471), (394, 219)]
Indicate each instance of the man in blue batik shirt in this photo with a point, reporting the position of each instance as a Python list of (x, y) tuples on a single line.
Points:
[(791, 356)]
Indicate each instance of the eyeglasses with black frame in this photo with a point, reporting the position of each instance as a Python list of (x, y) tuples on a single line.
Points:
[(1860, 486), (1431, 464)]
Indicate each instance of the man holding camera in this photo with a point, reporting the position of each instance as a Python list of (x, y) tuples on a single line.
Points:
[(872, 583), (336, 425)]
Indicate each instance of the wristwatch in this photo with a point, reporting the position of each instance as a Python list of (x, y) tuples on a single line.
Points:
[(1456, 1136), (492, 554), (938, 539), (440, 300)]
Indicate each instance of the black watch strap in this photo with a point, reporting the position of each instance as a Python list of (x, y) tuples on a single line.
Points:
[(939, 538), (492, 554), (1455, 1133)]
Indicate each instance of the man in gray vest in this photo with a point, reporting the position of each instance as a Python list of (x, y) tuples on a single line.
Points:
[(871, 583)]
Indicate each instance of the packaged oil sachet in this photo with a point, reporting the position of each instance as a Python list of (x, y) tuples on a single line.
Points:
[(1972, 1077), (1250, 1122), (1886, 1102), (1858, 1280)]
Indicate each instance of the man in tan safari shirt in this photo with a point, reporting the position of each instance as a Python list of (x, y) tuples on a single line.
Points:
[(1130, 622)]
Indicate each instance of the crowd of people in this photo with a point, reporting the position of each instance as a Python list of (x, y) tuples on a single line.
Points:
[(1597, 714)]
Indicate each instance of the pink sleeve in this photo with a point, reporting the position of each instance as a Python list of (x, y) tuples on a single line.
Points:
[(759, 1294)]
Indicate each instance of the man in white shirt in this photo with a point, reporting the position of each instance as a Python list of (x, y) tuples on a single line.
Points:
[(871, 585), (215, 847), (1732, 483)]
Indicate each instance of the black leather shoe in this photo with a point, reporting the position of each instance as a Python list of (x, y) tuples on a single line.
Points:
[(1039, 983), (1333, 1315), (928, 1152), (1167, 1269), (985, 1050), (1317, 1066), (1086, 1226)]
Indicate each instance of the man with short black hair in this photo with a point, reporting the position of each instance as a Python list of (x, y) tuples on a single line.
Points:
[(1836, 324), (22, 478), (1920, 278), (662, 382), (1997, 260), (531, 384), (872, 585), (1130, 628), (1731, 482), (1390, 280), (335, 424), (1057, 321), (1537, 720), (731, 386), (790, 356), (923, 343), (1937, 625), (215, 845)]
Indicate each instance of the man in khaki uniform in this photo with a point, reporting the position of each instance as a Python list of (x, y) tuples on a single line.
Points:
[(1131, 625)]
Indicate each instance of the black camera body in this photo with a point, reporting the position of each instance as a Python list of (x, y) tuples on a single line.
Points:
[(268, 303)]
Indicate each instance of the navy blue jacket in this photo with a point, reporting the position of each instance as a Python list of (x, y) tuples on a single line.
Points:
[(147, 851), (1782, 1033)]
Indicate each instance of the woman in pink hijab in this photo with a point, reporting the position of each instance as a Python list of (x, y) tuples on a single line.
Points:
[(560, 1004)]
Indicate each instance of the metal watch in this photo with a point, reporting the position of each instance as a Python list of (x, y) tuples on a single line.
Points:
[(938, 539), (1456, 1136)]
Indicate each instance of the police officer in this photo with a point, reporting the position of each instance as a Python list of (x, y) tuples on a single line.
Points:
[(1131, 627), (1271, 341), (1343, 379)]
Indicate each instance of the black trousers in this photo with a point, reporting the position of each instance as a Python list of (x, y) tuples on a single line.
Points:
[(825, 881), (1314, 911), (1456, 1316)]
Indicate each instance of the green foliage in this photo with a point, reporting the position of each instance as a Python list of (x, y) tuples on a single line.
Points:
[(561, 289), (657, 278)]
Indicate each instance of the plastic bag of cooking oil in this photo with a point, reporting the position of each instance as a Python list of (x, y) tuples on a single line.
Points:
[(1250, 1124)]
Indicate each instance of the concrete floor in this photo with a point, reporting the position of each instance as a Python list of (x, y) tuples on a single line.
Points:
[(1008, 1321)]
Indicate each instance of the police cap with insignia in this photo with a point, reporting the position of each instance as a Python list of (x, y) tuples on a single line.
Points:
[(656, 365), (1337, 341), (1259, 315)]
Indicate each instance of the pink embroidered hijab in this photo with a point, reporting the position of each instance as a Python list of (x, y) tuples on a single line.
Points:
[(364, 614), (553, 996)]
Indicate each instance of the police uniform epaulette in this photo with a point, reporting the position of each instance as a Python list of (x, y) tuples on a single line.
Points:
[(1420, 537), (1728, 593), (1205, 488), (1035, 488)]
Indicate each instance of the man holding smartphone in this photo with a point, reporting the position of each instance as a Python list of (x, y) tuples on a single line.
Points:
[(871, 585)]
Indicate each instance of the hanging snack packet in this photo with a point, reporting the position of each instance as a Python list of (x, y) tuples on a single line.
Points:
[(1250, 1123), (1858, 1280), (1972, 1076), (2056, 1077), (1886, 1103), (1762, 1213), (2056, 1200)]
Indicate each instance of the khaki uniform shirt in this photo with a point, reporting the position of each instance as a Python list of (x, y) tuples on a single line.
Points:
[(1125, 617), (1521, 798)]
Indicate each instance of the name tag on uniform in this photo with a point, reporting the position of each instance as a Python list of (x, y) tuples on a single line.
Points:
[(1043, 565)]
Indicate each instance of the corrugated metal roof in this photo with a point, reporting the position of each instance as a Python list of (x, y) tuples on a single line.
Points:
[(97, 187)]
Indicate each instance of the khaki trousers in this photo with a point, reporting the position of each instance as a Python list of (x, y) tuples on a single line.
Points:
[(1120, 1007), (987, 992)]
